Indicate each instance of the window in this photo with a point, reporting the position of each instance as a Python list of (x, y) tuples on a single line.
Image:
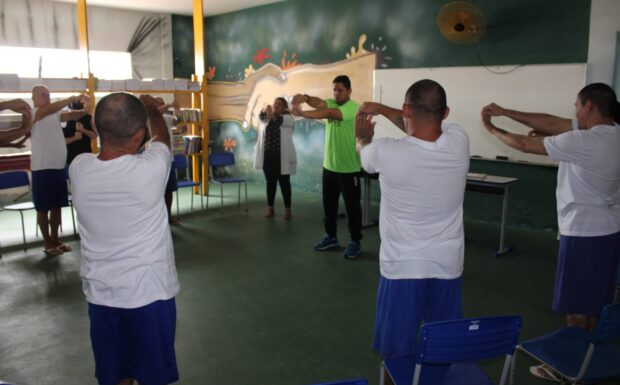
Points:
[(29, 62)]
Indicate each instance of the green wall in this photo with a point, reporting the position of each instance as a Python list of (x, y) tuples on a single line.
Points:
[(403, 33)]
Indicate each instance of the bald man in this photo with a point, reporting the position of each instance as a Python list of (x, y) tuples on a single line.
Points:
[(47, 162), (422, 178)]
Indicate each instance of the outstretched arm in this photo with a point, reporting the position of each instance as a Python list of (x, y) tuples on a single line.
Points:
[(523, 143), (323, 113), (393, 114), (17, 105), (542, 124), (7, 137), (364, 130), (157, 124), (53, 108), (312, 101)]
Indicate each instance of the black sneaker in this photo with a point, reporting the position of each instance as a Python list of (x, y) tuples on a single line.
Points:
[(327, 243), (353, 250)]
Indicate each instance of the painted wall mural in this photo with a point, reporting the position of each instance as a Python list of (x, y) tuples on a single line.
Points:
[(233, 107)]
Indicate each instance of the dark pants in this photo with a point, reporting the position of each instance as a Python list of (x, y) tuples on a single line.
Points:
[(271, 168), (347, 184)]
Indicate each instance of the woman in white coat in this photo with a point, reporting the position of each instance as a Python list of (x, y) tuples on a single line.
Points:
[(275, 153)]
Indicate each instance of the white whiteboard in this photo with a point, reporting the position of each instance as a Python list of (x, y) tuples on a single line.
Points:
[(535, 88)]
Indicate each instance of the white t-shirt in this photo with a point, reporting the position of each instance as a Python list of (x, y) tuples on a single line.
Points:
[(49, 150), (127, 255), (588, 192), (422, 189)]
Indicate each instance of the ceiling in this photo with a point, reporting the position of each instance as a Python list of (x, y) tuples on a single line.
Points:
[(179, 7)]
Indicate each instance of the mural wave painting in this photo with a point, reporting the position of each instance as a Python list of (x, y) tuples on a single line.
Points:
[(242, 101)]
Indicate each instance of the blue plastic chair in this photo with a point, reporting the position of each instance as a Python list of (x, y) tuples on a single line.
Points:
[(578, 355), (180, 163), (223, 159), (357, 381), (14, 179), (448, 350)]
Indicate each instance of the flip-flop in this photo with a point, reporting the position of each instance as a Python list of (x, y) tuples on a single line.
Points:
[(544, 372), (53, 252), (64, 248)]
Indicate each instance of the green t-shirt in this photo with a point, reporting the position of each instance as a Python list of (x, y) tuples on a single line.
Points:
[(340, 153)]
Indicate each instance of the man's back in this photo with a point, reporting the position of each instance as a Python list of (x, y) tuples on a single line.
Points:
[(127, 254), (588, 180), (422, 188)]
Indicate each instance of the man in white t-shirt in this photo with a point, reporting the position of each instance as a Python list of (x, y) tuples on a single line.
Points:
[(588, 198), (128, 268), (422, 178), (47, 162)]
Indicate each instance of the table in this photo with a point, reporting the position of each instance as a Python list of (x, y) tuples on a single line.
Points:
[(499, 185), (490, 184)]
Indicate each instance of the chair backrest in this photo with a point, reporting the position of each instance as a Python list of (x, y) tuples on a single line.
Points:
[(179, 161), (468, 340), (221, 159), (608, 325), (14, 179)]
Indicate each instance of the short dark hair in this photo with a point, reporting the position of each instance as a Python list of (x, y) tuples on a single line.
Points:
[(427, 97), (118, 117), (285, 103), (602, 96), (344, 80)]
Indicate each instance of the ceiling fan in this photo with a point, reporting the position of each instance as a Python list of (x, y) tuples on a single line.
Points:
[(461, 22)]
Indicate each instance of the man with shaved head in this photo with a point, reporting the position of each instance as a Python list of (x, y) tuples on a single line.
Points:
[(422, 178), (128, 270), (47, 162)]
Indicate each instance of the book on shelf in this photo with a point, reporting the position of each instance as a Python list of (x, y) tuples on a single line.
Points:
[(178, 143), (189, 115), (192, 144)]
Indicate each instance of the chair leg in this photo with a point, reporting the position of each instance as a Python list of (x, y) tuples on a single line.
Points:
[(21, 214), (246, 196), (221, 197), (191, 191), (382, 374), (177, 199), (202, 206), (73, 222), (208, 188), (238, 194)]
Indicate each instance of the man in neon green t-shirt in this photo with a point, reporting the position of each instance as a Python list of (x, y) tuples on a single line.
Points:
[(341, 163)]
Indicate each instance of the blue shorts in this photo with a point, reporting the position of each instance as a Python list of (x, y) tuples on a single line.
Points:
[(585, 278), (403, 304), (171, 185), (49, 189), (134, 343)]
